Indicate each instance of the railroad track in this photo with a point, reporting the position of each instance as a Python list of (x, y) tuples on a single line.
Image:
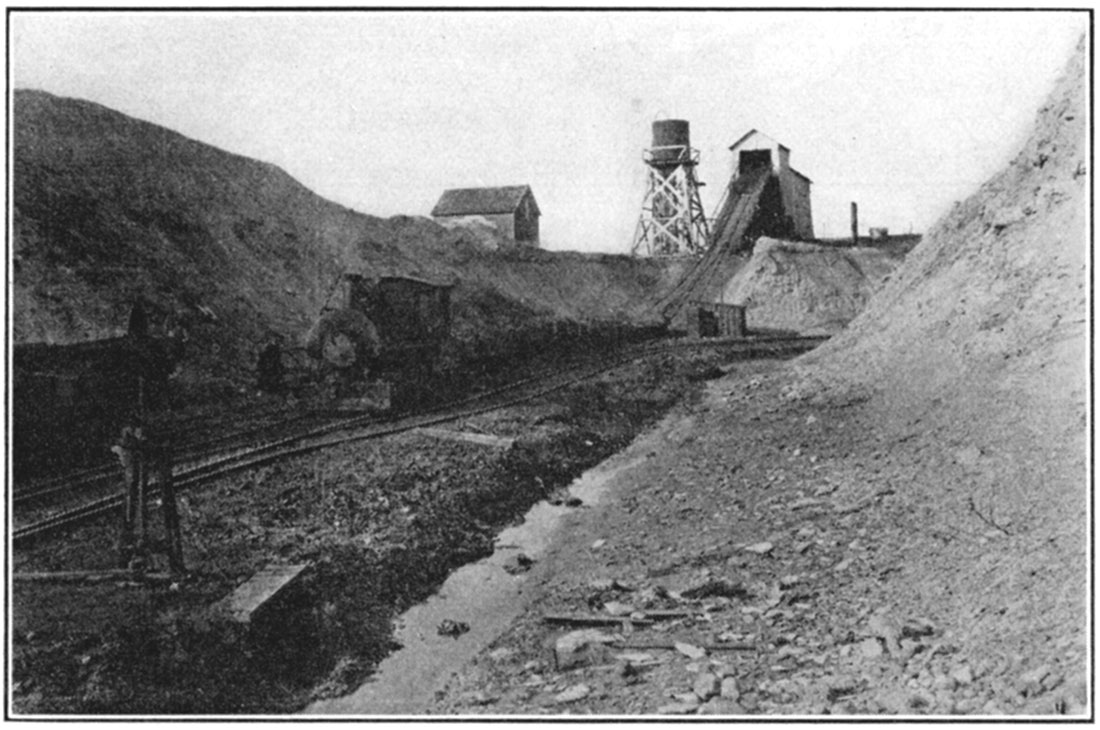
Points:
[(359, 428)]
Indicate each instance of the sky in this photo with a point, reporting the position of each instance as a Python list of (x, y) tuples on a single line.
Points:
[(902, 112)]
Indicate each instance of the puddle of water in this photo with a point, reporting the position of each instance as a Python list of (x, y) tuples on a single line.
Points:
[(482, 595)]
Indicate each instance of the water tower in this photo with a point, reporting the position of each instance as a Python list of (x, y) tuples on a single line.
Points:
[(672, 221)]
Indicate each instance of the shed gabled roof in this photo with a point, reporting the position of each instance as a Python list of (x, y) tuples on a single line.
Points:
[(752, 132), (796, 172), (477, 201)]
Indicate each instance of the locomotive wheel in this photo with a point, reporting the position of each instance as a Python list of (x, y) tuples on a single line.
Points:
[(345, 339), (338, 350)]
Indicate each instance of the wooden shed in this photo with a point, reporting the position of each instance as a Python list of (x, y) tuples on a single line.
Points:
[(512, 208)]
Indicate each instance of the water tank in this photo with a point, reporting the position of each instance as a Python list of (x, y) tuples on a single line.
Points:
[(670, 133)]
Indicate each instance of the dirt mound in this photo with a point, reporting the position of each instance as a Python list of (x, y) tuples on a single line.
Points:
[(981, 340), (108, 208), (804, 287), (480, 228)]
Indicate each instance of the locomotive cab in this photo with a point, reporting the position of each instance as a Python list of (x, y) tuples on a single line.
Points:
[(379, 330)]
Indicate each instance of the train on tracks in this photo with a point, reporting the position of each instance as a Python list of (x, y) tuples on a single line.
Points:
[(374, 334), (68, 401)]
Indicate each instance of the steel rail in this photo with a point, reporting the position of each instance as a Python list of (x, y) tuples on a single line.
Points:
[(253, 457)]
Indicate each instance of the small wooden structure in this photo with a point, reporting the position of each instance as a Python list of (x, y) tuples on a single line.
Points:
[(512, 208), (254, 593)]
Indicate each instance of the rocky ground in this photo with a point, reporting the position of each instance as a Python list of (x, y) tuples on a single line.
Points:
[(381, 524), (897, 523), (802, 567)]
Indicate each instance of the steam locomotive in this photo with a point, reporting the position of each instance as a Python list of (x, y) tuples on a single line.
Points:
[(373, 333)]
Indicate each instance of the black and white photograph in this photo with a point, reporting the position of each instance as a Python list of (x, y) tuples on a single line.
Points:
[(563, 364)]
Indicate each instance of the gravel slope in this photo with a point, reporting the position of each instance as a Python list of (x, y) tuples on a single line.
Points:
[(921, 483)]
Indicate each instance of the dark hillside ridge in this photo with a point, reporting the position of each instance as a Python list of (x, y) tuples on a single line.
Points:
[(108, 208)]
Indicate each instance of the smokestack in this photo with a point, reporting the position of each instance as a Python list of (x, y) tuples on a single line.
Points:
[(855, 222)]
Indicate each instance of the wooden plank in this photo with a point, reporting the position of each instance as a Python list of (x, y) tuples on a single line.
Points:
[(482, 439), (242, 603), (671, 645), (590, 620)]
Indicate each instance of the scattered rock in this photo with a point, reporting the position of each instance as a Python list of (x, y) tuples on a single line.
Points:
[(789, 581), (722, 706), (686, 698), (760, 548), (909, 648), (581, 648), (560, 499), (729, 689), (518, 563), (992, 707), (886, 629), (452, 628), (870, 648), (916, 628), (1030, 683), (963, 675), (501, 654), (610, 584), (690, 650), (572, 694), (706, 686), (968, 456), (1068, 702), (717, 588), (921, 700), (1052, 681), (599, 544), (635, 657), (678, 708), (966, 706), (839, 687), (943, 682), (481, 698), (616, 608)]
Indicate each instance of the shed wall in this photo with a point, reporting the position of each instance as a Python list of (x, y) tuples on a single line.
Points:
[(796, 201), (527, 222), (505, 223)]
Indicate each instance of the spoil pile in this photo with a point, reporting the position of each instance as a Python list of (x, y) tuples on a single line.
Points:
[(108, 208), (906, 508), (806, 288), (981, 339)]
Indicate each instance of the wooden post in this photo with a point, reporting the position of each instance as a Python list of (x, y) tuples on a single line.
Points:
[(129, 456), (143, 457), (855, 223), (141, 518), (161, 454)]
